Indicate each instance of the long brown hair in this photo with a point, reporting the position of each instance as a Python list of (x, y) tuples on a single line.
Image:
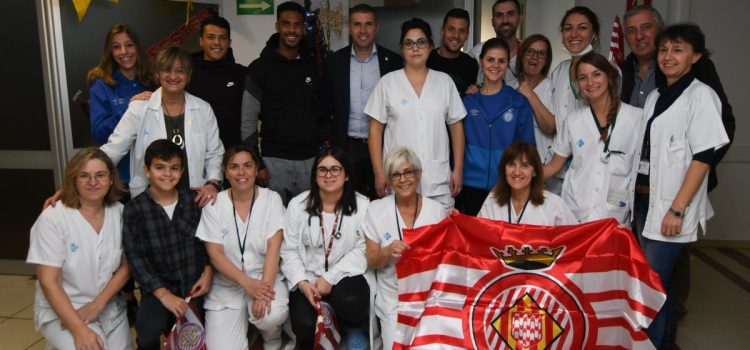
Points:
[(69, 193), (107, 64), (613, 85), (517, 150)]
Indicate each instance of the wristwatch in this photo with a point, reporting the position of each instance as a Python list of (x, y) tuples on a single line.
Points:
[(216, 185), (677, 214)]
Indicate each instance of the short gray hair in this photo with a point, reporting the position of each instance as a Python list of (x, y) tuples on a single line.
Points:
[(645, 8), (399, 156)]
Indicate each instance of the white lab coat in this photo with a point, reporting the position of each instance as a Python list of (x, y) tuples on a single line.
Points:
[(553, 212), (61, 237), (692, 124), (544, 142), (226, 300), (380, 227), (302, 254), (418, 122), (595, 189), (143, 123)]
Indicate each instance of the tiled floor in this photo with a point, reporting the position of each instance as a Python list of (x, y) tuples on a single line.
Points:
[(718, 305)]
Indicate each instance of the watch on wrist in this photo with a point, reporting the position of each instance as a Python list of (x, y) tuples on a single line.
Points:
[(216, 185), (677, 214)]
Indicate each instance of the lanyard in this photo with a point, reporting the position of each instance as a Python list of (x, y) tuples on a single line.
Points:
[(334, 234), (247, 226), (510, 203), (609, 134), (398, 224)]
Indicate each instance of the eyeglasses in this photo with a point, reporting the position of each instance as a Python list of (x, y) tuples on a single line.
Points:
[(421, 43), (99, 177), (408, 174), (535, 53), (334, 171)]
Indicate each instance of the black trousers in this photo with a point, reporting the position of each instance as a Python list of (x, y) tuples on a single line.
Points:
[(470, 200), (154, 320), (350, 299), (359, 155)]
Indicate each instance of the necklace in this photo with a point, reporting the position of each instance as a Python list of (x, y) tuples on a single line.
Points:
[(174, 124), (247, 225), (414, 222)]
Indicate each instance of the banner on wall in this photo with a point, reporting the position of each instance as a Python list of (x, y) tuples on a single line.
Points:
[(481, 284)]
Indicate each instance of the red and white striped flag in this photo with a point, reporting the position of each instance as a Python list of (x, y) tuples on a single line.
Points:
[(617, 43), (327, 336), (188, 332), (469, 283)]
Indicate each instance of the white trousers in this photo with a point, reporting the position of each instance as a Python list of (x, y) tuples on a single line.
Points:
[(227, 328), (58, 338), (388, 330)]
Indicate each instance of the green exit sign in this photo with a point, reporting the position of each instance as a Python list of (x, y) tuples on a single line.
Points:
[(254, 7)]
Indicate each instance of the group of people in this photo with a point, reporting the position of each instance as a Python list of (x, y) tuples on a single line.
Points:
[(233, 203)]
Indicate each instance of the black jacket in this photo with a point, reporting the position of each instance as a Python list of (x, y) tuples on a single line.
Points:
[(283, 94), (336, 87), (220, 83), (705, 71)]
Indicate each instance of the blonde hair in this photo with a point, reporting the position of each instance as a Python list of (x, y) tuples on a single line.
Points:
[(69, 193)]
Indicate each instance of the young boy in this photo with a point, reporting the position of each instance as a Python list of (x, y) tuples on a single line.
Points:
[(160, 245)]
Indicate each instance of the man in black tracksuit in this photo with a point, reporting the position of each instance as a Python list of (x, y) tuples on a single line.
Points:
[(281, 91), (217, 79)]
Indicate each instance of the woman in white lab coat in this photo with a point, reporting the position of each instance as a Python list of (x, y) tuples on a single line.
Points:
[(77, 248), (410, 108), (579, 29), (519, 196), (681, 130), (383, 227), (602, 141), (323, 254), (243, 232)]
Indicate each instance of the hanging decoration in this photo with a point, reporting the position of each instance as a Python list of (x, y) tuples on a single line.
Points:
[(82, 6), (332, 19)]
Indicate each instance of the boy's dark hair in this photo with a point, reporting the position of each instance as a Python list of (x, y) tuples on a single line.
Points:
[(218, 21), (457, 13), (165, 150), (289, 6)]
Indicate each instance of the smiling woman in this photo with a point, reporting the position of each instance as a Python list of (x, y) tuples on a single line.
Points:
[(172, 113)]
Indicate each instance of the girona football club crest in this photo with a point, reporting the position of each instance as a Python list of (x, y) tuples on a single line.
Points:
[(520, 305), (190, 336)]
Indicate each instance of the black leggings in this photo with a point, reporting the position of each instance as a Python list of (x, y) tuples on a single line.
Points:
[(350, 299), (154, 320)]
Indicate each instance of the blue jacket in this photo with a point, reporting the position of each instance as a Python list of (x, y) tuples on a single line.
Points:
[(493, 122), (107, 105)]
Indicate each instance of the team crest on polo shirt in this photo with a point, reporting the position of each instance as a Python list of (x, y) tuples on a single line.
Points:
[(74, 247), (508, 115), (520, 304), (580, 143), (474, 112)]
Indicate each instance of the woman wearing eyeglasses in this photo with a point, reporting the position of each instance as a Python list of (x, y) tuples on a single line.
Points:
[(243, 232), (519, 196), (602, 141), (410, 108), (497, 116), (77, 249), (323, 254), (532, 66), (383, 227)]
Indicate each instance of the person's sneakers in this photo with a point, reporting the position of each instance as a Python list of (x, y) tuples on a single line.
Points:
[(132, 310), (356, 339)]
